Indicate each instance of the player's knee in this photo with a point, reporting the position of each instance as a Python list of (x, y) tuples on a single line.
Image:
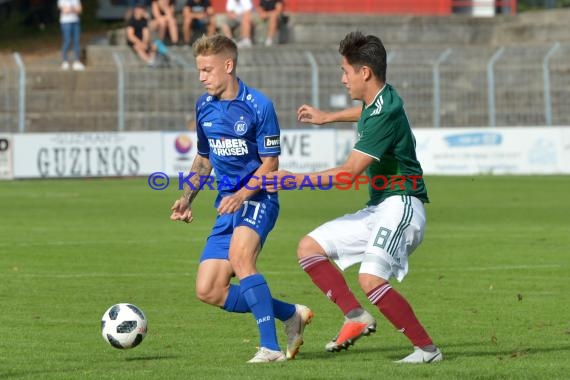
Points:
[(308, 247), (369, 282), (207, 294), (243, 263)]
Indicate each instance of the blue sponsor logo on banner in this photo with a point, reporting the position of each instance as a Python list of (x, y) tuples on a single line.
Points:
[(474, 139), (543, 152)]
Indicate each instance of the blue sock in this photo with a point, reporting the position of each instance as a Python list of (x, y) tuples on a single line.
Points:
[(283, 310), (235, 303), (257, 295)]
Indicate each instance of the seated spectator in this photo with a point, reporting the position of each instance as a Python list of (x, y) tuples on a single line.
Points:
[(198, 15), (138, 35), (270, 12), (238, 13), (164, 19)]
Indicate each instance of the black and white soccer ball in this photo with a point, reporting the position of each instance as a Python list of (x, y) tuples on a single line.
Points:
[(123, 326)]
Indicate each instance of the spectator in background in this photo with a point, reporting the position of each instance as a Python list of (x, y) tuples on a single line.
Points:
[(131, 4), (164, 19), (238, 13), (70, 31), (198, 15), (138, 35), (270, 12)]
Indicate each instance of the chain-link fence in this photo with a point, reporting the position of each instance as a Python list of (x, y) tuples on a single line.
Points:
[(441, 87), (8, 94)]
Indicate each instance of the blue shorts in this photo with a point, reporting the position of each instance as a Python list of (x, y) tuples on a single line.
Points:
[(258, 213)]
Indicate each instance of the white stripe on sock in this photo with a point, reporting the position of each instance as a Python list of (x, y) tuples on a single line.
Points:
[(377, 294), (308, 262)]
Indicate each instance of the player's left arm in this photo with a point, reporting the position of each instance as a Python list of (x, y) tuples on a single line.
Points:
[(233, 202)]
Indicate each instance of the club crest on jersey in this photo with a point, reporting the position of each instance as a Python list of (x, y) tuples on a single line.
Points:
[(240, 127)]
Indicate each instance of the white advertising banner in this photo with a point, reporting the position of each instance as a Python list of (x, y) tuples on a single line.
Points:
[(527, 150), (307, 150), (5, 157), (492, 151), (56, 155), (345, 140), (566, 150)]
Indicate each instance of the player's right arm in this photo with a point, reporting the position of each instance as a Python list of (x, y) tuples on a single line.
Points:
[(181, 210), (312, 115)]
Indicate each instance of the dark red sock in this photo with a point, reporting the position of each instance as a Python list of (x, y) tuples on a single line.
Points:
[(398, 311), (331, 282)]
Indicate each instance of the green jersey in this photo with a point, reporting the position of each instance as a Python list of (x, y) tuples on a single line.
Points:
[(384, 133)]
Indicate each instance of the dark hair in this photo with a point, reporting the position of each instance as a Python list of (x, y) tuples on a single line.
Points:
[(361, 50)]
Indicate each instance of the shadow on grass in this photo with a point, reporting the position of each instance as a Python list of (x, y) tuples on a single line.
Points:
[(351, 351), (472, 351), (151, 358), (450, 352)]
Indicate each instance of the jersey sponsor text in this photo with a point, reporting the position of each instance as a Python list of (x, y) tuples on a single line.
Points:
[(228, 147), (271, 142)]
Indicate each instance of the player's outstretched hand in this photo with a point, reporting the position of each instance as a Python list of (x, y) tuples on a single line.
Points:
[(312, 115), (181, 211)]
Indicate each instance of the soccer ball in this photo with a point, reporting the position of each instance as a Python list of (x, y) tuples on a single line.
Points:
[(123, 326)]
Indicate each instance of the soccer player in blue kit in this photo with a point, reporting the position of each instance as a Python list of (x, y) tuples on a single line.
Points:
[(238, 137)]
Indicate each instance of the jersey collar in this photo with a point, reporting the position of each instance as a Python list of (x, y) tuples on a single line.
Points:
[(376, 96)]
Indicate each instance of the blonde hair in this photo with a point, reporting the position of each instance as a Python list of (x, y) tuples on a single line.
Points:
[(214, 45)]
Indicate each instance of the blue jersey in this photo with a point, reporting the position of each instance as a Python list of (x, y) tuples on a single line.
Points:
[(235, 134)]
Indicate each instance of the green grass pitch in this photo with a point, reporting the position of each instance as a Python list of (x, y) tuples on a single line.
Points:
[(490, 283)]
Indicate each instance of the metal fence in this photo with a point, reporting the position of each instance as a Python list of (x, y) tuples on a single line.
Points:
[(441, 87), (9, 91)]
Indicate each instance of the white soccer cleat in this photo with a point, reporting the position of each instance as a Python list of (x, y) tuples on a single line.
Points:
[(265, 355), (352, 330), (420, 356), (294, 328)]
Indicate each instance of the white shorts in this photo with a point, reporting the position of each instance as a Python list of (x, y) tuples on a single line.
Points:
[(379, 237)]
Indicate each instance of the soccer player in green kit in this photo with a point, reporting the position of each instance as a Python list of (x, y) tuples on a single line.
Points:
[(382, 235)]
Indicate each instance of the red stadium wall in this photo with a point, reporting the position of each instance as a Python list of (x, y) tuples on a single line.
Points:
[(371, 6), (422, 7), (414, 7)]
